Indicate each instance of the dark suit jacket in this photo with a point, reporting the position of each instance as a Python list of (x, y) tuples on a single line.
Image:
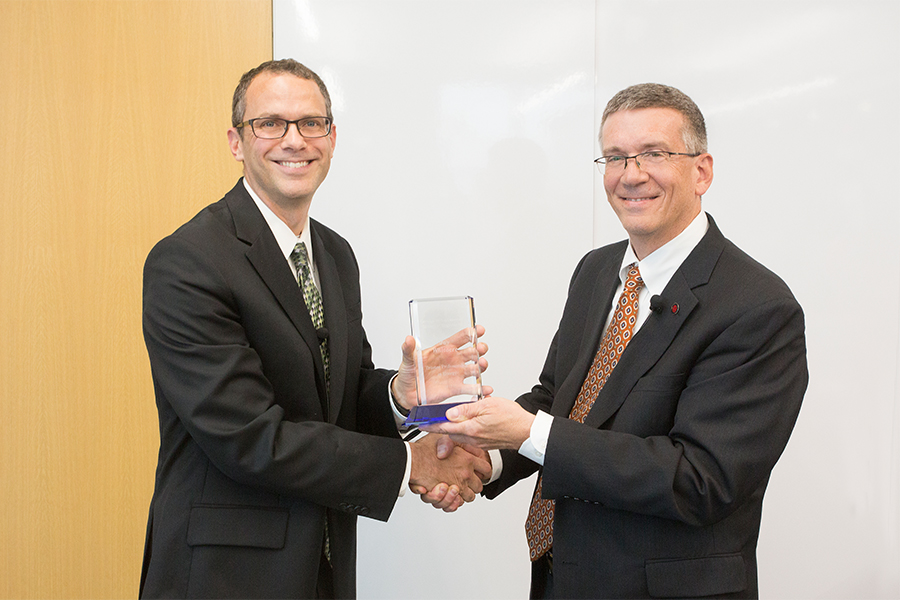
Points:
[(253, 457), (659, 494)]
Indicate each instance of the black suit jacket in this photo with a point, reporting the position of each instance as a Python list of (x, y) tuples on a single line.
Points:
[(253, 456), (659, 493)]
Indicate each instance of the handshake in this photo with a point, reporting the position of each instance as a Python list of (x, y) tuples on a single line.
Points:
[(447, 475)]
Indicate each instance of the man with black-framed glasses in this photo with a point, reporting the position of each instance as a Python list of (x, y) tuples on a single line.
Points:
[(669, 392), (276, 430)]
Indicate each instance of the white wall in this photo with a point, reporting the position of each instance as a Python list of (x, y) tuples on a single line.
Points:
[(466, 131)]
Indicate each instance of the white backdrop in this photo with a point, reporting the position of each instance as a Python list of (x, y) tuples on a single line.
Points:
[(466, 130)]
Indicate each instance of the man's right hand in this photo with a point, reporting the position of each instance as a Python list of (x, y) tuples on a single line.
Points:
[(460, 469)]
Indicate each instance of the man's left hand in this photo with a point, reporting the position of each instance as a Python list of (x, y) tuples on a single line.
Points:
[(489, 424)]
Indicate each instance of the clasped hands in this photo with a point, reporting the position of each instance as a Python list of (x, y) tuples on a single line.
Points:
[(472, 429)]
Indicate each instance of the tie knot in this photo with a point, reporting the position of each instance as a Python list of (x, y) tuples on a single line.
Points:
[(633, 280), (300, 257)]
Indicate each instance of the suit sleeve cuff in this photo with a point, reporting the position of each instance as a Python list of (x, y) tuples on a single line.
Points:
[(404, 485)]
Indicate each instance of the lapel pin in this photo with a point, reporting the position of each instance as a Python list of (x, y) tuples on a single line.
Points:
[(675, 309)]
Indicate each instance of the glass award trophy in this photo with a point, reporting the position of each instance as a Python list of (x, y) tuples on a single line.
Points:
[(447, 370)]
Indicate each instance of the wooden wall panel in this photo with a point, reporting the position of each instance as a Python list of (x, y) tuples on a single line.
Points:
[(114, 119)]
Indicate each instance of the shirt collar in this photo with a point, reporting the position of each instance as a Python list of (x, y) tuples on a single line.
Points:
[(285, 238), (658, 267)]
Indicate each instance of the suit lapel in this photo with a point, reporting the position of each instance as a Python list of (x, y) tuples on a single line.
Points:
[(598, 310), (335, 321), (656, 334), (268, 261), (644, 350)]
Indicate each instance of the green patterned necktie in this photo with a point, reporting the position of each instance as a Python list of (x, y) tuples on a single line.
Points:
[(313, 299), (311, 296)]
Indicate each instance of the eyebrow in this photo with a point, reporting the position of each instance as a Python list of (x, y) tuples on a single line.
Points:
[(616, 151), (283, 118)]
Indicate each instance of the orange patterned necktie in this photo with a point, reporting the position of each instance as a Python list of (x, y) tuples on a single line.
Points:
[(539, 525)]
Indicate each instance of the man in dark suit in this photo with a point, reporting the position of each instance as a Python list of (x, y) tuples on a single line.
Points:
[(276, 430), (669, 392)]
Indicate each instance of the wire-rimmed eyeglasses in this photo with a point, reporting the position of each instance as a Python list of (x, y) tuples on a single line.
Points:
[(618, 164)]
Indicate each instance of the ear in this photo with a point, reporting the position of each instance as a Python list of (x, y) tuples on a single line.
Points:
[(704, 170), (235, 143), (333, 136)]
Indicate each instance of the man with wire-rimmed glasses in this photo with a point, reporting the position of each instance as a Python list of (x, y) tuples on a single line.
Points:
[(669, 392)]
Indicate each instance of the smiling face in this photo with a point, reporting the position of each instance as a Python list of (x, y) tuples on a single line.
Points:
[(654, 203), (285, 172)]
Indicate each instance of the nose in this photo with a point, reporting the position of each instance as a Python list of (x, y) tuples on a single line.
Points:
[(292, 137), (636, 173)]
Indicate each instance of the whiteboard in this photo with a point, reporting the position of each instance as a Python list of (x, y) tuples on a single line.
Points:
[(466, 131)]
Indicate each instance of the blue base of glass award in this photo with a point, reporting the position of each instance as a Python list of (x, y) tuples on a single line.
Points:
[(426, 414)]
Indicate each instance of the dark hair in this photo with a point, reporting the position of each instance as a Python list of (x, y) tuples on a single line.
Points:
[(656, 95), (286, 65)]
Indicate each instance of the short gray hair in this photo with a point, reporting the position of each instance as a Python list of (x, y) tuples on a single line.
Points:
[(657, 95)]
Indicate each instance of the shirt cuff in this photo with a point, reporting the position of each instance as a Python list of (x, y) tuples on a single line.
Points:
[(535, 447), (496, 465)]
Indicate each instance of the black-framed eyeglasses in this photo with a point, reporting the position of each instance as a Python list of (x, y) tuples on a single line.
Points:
[(651, 158), (271, 128)]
